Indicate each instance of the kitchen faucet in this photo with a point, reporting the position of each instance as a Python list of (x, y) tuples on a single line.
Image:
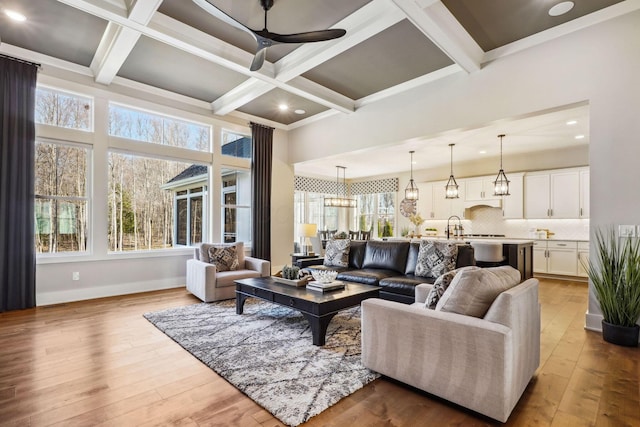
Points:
[(458, 227)]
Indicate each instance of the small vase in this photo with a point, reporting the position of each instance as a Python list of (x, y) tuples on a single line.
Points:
[(621, 335)]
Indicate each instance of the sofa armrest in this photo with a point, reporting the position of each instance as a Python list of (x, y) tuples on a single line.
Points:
[(463, 359), (201, 279), (260, 265), (422, 290)]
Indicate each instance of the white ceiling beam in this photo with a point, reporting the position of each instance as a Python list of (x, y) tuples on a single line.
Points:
[(364, 23), (441, 27), (118, 41)]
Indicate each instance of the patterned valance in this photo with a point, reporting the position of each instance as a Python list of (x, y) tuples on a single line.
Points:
[(389, 185), (314, 185)]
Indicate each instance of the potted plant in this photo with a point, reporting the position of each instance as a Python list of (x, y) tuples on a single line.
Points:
[(615, 274)]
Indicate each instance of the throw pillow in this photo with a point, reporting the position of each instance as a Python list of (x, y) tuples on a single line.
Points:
[(224, 257), (336, 254), (436, 258), (472, 291), (440, 286)]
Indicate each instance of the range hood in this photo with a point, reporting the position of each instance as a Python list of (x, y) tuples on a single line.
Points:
[(495, 203)]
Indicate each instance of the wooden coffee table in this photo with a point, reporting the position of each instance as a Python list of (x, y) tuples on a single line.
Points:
[(317, 307)]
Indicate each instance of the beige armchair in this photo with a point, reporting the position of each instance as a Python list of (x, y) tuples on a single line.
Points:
[(208, 284), (483, 364)]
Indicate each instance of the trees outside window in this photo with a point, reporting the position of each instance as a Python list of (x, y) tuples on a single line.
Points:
[(378, 209), (142, 211), (139, 125), (236, 145), (61, 197), (62, 109)]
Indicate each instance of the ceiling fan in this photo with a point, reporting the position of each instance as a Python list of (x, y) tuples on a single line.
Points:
[(265, 38)]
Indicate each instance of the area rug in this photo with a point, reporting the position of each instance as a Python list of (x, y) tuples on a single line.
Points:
[(267, 353)]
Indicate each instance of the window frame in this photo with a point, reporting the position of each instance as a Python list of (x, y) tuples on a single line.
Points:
[(88, 198)]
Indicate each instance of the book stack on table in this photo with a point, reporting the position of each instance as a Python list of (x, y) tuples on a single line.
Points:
[(324, 287)]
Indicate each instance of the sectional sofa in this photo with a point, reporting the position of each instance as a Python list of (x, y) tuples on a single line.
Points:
[(388, 264)]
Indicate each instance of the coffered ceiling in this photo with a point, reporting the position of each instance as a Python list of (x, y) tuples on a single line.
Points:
[(391, 46)]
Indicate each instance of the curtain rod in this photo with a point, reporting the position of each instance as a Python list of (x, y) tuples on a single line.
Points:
[(24, 61)]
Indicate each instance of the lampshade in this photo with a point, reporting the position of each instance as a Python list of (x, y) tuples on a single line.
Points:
[(411, 192), (308, 230), (501, 184), (451, 189)]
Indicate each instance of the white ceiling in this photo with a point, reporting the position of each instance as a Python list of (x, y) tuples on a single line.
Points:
[(542, 132)]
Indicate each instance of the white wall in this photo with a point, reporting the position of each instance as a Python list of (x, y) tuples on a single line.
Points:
[(599, 65)]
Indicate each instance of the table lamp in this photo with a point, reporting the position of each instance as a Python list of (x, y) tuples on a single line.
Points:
[(307, 231)]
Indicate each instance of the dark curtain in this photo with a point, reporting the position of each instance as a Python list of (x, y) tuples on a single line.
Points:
[(17, 148), (261, 190)]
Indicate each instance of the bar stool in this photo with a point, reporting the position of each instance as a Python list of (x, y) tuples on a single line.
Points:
[(488, 254)]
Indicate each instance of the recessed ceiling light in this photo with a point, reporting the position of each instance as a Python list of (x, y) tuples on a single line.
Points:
[(299, 111), (16, 16), (579, 136), (572, 122), (561, 8), (483, 151), (283, 107)]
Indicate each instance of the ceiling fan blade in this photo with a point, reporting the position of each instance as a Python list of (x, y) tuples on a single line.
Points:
[(209, 7), (258, 60), (310, 36)]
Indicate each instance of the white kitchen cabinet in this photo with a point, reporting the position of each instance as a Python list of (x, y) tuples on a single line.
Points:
[(481, 188), (583, 258), (584, 194), (539, 257), (556, 257), (513, 204), (553, 194), (432, 203)]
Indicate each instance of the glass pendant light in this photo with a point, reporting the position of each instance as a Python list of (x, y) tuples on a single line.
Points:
[(340, 201), (501, 184), (451, 189), (411, 192)]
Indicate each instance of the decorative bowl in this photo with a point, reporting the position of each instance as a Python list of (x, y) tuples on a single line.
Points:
[(324, 276)]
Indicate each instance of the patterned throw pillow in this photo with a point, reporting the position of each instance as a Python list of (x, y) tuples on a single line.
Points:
[(224, 257), (440, 285), (436, 258), (336, 254)]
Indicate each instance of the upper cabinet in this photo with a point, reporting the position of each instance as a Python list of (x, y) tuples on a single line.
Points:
[(478, 189), (433, 204), (513, 204), (554, 194), (584, 193)]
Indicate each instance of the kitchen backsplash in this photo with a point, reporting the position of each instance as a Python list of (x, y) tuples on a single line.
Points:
[(487, 220)]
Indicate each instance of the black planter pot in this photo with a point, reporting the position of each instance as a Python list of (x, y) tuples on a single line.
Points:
[(621, 335)]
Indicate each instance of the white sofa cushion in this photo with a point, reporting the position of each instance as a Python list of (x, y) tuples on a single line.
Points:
[(472, 291), (440, 286)]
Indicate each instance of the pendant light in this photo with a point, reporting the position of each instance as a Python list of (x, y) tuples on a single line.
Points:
[(411, 192), (451, 189), (501, 184), (340, 201)]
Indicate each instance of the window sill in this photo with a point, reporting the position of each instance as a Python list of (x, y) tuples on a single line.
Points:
[(87, 257)]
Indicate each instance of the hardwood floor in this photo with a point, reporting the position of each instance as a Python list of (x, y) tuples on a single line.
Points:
[(100, 362)]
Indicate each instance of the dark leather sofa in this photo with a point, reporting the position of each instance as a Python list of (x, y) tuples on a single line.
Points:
[(388, 264)]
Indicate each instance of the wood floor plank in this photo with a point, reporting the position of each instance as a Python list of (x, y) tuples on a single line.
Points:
[(100, 362)]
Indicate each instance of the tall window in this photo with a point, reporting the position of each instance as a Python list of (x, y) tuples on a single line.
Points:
[(376, 212), (143, 126), (57, 108), (142, 212), (61, 197), (310, 209), (236, 145), (236, 205)]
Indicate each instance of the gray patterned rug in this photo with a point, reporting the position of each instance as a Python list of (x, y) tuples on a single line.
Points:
[(267, 354)]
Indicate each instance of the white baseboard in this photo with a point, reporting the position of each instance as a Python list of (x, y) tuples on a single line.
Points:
[(593, 322), (58, 297)]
